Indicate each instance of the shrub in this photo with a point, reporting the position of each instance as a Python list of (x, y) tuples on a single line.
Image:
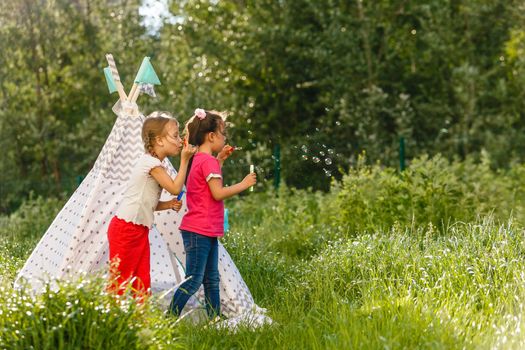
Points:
[(372, 198)]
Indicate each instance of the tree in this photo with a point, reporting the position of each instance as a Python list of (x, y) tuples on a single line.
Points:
[(55, 107)]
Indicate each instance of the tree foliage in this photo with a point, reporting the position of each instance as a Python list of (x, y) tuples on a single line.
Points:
[(322, 79)]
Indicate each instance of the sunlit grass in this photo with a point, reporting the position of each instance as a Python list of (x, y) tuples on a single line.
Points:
[(80, 314), (411, 285)]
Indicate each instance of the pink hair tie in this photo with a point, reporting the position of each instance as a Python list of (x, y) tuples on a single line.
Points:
[(200, 113)]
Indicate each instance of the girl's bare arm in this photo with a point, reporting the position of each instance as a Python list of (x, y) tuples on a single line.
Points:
[(219, 192)]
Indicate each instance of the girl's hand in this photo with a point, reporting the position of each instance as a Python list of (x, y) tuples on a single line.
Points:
[(175, 204), (187, 151), (225, 153), (250, 180)]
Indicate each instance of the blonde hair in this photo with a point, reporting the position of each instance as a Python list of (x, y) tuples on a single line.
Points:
[(153, 127)]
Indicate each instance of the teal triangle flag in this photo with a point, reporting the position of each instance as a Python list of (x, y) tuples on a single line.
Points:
[(146, 74), (109, 79)]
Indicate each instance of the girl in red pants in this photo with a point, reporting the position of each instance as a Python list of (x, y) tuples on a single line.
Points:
[(128, 230)]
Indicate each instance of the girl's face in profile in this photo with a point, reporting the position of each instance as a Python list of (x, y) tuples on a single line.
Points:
[(220, 138), (172, 141)]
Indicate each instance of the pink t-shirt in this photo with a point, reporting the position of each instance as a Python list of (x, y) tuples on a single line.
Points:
[(205, 215)]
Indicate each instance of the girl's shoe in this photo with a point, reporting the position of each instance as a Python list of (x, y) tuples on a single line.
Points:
[(216, 322)]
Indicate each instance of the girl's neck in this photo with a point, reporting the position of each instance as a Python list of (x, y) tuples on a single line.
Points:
[(206, 148), (158, 155)]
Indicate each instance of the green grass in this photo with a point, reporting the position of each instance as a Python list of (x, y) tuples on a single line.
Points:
[(405, 289), (328, 283)]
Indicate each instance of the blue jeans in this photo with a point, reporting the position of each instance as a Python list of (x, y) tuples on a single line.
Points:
[(202, 266)]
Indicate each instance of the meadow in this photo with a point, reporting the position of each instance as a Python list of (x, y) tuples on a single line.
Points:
[(430, 258)]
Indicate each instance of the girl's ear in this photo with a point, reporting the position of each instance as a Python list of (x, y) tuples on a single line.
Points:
[(210, 137), (158, 141)]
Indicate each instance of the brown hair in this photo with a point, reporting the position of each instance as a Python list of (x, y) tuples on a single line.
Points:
[(198, 128), (153, 127)]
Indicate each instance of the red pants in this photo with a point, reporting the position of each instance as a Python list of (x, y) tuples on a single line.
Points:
[(129, 257)]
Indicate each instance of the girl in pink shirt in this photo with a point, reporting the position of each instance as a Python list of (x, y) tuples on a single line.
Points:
[(204, 222)]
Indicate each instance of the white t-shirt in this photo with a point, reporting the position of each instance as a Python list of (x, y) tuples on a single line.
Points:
[(142, 193)]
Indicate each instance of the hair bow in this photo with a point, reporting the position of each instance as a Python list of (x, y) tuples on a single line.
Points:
[(200, 113)]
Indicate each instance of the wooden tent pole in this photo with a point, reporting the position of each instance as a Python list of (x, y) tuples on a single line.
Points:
[(134, 89), (116, 77)]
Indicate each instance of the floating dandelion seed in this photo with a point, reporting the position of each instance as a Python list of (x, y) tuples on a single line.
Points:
[(304, 148), (321, 153), (338, 123), (328, 161), (327, 172), (330, 151), (305, 157), (316, 160)]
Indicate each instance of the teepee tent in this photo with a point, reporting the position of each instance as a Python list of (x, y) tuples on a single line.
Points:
[(77, 242)]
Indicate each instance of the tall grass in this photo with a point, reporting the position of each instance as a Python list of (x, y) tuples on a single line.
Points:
[(80, 315), (428, 259)]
